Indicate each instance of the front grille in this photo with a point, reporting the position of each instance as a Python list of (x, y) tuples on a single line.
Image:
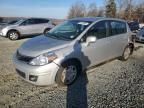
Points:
[(23, 58), (22, 74)]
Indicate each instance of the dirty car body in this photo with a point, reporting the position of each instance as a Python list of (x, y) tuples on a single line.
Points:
[(87, 41)]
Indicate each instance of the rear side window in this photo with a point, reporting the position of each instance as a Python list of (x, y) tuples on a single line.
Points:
[(39, 21), (117, 27), (99, 30)]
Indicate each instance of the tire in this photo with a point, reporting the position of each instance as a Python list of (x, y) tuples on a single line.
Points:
[(126, 54), (13, 35), (64, 75), (46, 31)]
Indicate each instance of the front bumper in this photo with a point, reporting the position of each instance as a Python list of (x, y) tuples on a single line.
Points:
[(1, 34), (41, 75)]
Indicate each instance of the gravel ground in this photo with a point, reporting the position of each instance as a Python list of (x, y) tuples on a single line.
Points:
[(113, 85)]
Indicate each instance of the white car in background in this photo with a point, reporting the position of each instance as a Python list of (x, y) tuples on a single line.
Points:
[(25, 27), (141, 25)]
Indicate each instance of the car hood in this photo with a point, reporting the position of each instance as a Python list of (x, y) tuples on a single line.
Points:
[(40, 45), (7, 25)]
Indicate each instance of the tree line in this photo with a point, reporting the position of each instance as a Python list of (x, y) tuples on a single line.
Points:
[(124, 9)]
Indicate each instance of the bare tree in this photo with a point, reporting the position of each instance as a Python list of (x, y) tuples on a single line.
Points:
[(77, 10), (101, 12), (120, 7), (139, 12), (92, 10)]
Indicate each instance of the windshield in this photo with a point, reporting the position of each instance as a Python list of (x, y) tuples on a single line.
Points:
[(16, 21), (69, 30), (12, 22)]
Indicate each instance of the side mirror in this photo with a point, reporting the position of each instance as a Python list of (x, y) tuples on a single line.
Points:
[(90, 39)]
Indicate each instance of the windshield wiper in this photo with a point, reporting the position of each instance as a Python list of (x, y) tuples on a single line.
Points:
[(52, 35), (56, 36)]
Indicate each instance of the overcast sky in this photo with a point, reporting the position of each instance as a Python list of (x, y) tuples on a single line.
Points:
[(40, 8)]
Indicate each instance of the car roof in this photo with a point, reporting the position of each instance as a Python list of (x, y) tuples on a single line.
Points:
[(93, 19), (38, 18)]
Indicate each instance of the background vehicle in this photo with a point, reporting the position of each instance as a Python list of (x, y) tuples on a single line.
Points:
[(25, 27), (134, 26), (70, 48), (141, 25), (140, 35)]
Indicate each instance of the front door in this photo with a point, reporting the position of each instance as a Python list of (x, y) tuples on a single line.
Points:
[(29, 27), (98, 51)]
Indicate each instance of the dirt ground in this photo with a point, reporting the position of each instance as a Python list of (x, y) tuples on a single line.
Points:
[(113, 85)]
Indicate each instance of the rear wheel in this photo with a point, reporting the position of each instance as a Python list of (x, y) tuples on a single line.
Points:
[(68, 73), (13, 35), (126, 54), (46, 30)]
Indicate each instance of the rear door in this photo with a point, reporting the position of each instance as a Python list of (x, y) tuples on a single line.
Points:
[(99, 51), (42, 24), (118, 37)]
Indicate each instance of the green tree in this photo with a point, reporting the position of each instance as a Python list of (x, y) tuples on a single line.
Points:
[(111, 8)]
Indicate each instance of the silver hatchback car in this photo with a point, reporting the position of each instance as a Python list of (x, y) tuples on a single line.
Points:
[(71, 47), (25, 27)]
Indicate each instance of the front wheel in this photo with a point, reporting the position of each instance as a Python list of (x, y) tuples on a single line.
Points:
[(68, 73), (13, 35)]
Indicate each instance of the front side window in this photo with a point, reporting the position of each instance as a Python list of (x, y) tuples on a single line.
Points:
[(117, 27), (69, 29), (99, 30), (29, 22)]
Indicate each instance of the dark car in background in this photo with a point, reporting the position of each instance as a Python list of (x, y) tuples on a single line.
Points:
[(134, 26)]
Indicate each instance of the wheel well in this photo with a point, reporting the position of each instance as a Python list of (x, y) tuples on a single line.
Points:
[(132, 47), (47, 29), (13, 30), (72, 60)]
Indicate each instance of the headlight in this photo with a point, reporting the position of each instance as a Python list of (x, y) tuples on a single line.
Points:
[(43, 59)]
